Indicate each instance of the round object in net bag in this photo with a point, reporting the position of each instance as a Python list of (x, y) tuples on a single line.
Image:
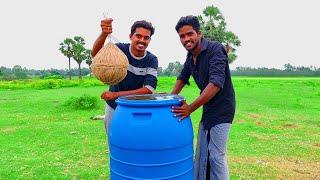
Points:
[(110, 64)]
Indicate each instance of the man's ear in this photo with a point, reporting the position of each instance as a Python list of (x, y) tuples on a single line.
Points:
[(130, 35), (199, 33)]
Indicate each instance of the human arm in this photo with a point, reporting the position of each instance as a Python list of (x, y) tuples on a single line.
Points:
[(185, 110), (106, 29), (217, 64), (149, 84), (178, 87), (108, 95), (151, 77)]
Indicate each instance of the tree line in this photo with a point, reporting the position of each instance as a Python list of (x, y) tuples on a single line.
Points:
[(18, 72), (173, 69), (287, 71)]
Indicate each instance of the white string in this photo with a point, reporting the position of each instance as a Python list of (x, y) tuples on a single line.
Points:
[(110, 37), (104, 15)]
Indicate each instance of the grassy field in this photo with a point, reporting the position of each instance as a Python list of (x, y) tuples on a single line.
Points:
[(275, 134)]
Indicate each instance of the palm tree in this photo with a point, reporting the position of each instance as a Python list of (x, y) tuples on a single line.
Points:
[(89, 59), (213, 27), (66, 50), (79, 52)]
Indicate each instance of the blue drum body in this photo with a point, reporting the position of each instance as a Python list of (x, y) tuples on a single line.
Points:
[(146, 141)]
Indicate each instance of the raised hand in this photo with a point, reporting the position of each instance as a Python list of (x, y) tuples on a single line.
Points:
[(106, 26)]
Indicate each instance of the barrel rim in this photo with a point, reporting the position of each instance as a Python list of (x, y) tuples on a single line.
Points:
[(158, 100)]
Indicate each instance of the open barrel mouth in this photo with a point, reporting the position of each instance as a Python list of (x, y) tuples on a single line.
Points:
[(153, 97)]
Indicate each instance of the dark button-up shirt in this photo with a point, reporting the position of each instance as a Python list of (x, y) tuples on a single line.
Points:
[(212, 66)]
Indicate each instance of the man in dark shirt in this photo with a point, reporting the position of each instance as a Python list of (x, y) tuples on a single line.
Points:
[(142, 70), (207, 62)]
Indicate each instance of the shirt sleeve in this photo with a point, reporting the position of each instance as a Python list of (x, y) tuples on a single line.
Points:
[(185, 73), (121, 46), (217, 66), (151, 76)]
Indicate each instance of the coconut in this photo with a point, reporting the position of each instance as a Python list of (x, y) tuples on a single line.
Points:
[(110, 64)]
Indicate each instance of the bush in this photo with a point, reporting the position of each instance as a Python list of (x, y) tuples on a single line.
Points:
[(47, 84), (83, 102), (54, 77)]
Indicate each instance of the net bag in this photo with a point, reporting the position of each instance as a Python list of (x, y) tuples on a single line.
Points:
[(110, 64)]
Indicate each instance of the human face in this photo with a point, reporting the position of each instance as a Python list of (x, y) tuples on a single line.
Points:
[(189, 38), (140, 40)]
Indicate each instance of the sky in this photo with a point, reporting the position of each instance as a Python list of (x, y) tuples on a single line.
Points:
[(272, 32)]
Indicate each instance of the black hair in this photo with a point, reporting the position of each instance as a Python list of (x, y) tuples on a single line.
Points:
[(188, 20), (143, 24)]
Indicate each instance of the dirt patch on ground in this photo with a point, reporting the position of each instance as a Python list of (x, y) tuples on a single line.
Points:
[(8, 130), (255, 116), (317, 144), (290, 126), (284, 168), (261, 124), (240, 121), (55, 102), (260, 137)]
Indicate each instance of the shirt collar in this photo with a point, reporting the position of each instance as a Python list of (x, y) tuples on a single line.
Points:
[(204, 46), (135, 57)]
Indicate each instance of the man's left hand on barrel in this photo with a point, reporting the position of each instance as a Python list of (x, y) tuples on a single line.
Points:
[(107, 95), (183, 111)]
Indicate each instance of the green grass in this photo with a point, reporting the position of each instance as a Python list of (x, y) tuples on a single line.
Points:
[(275, 133), (49, 83)]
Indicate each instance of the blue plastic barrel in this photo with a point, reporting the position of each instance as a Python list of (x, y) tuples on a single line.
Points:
[(146, 141)]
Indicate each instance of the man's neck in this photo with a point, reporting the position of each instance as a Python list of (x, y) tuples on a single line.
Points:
[(196, 52), (137, 54)]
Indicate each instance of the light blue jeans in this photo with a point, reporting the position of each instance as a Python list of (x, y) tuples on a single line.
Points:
[(217, 151), (107, 117)]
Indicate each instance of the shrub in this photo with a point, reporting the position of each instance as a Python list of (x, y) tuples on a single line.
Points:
[(54, 77), (83, 102), (47, 84)]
